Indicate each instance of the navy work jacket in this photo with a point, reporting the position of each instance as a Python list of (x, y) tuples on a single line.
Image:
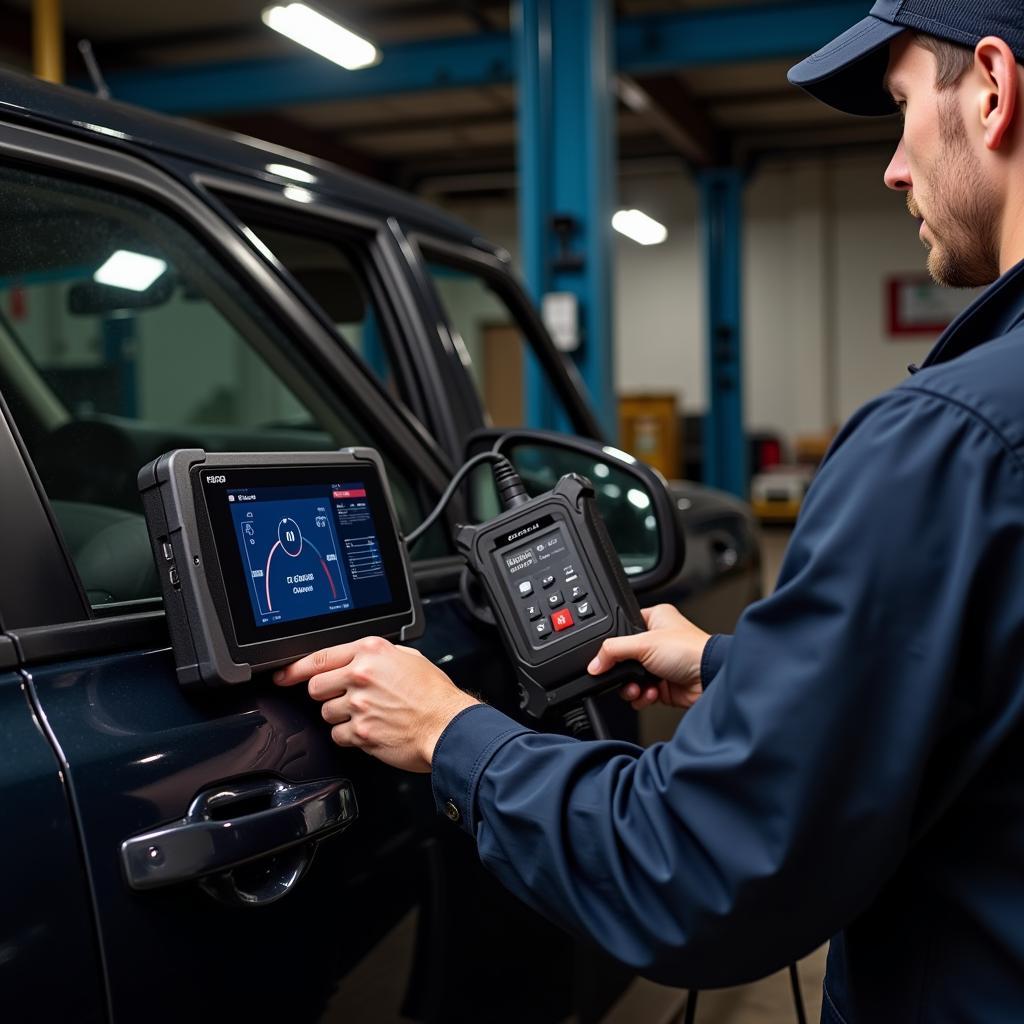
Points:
[(857, 769)]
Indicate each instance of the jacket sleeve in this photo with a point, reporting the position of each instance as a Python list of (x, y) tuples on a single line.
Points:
[(790, 793)]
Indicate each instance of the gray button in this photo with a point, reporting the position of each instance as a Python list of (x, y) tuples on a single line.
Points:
[(548, 581), (542, 630), (556, 599), (168, 552), (525, 588), (585, 610), (578, 593), (534, 612), (452, 811)]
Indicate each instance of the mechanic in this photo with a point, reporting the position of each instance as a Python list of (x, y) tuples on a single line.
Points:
[(856, 769)]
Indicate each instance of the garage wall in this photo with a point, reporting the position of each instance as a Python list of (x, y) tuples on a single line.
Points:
[(821, 237)]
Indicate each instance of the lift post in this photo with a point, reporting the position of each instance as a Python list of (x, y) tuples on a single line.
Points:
[(566, 75), (725, 446)]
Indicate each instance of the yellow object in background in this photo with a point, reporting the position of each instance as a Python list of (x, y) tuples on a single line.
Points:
[(649, 429)]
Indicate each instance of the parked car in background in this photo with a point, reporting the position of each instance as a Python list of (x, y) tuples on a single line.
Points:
[(163, 285)]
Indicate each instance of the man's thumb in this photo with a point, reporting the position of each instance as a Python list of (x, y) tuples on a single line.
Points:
[(616, 649)]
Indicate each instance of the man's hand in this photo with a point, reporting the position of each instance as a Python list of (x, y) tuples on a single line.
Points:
[(389, 701), (672, 649)]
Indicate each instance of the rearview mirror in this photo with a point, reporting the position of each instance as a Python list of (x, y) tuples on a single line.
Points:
[(633, 498), (90, 298)]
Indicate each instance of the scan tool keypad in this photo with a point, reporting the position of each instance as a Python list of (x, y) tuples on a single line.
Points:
[(552, 595)]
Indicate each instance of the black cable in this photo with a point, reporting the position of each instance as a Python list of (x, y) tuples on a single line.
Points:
[(798, 998), (510, 489), (690, 1014), (597, 723)]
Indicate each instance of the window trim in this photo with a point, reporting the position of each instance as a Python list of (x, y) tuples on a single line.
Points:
[(54, 592), (322, 220), (498, 274), (161, 187)]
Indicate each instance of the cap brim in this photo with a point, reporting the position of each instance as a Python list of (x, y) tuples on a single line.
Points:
[(849, 73)]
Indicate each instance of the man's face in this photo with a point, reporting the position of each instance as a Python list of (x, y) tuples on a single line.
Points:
[(938, 167)]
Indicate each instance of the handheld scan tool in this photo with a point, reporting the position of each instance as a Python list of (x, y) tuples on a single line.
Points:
[(558, 591), (264, 558)]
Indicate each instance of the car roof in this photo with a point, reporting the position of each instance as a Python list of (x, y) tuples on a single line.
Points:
[(80, 113)]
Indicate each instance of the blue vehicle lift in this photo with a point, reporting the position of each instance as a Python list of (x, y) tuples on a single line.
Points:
[(566, 168), (725, 445)]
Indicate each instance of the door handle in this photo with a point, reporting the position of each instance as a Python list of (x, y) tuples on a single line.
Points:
[(231, 825)]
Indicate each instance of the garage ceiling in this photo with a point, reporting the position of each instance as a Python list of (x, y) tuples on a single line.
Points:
[(732, 111)]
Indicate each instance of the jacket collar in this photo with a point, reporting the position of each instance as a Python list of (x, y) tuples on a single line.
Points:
[(997, 311)]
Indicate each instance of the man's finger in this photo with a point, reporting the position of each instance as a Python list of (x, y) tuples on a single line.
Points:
[(328, 685), (646, 699), (314, 664), (344, 735), (619, 648), (630, 692), (337, 711)]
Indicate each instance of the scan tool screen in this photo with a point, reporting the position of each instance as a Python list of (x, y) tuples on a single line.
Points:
[(297, 547)]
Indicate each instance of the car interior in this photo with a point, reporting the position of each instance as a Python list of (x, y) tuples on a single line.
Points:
[(121, 338)]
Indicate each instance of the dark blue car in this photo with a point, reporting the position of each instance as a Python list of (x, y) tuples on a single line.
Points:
[(296, 308)]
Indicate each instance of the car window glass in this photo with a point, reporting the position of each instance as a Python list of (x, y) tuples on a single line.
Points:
[(122, 337), (332, 272), (492, 343)]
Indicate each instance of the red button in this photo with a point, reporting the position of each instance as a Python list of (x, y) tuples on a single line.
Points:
[(562, 620)]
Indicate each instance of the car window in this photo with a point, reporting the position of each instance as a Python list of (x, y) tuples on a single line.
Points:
[(493, 345), (332, 271), (122, 337)]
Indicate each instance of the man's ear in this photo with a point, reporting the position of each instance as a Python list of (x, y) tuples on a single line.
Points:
[(999, 96)]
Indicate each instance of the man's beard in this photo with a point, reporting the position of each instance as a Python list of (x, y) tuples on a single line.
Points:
[(962, 216)]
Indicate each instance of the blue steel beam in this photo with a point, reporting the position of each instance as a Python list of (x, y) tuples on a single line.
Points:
[(725, 445), (306, 78), (566, 166), (662, 42), (645, 45)]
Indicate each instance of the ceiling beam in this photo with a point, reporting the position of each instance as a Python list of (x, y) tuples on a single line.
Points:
[(133, 51), (419, 124), (666, 103), (467, 61), (646, 45)]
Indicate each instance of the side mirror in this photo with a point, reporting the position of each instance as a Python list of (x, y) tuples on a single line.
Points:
[(633, 498)]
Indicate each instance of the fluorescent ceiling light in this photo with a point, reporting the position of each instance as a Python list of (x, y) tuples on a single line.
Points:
[(637, 225), (321, 35), (130, 270), (292, 173)]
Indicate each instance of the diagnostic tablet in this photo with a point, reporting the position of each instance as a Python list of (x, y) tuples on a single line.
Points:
[(267, 557)]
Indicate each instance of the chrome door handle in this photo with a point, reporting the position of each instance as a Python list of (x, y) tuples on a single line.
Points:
[(222, 831)]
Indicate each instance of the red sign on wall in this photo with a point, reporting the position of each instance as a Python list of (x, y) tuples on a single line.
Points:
[(917, 305)]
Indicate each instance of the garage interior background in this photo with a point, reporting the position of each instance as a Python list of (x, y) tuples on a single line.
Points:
[(696, 92)]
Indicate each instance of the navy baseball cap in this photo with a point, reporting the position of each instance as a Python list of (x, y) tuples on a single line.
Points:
[(848, 74)]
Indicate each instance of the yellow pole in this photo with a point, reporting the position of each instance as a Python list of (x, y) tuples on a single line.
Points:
[(48, 40)]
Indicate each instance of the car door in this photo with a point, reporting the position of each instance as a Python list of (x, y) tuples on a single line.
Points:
[(214, 351), (46, 918)]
